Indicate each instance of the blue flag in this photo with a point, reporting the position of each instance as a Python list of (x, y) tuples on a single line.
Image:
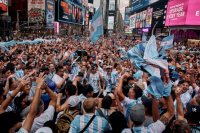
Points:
[(167, 42), (4, 48), (96, 26), (144, 38), (151, 49)]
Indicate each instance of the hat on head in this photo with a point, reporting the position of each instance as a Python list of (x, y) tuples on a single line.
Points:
[(194, 113), (140, 84), (44, 130), (108, 67), (52, 86), (137, 113), (73, 101), (94, 56), (174, 75)]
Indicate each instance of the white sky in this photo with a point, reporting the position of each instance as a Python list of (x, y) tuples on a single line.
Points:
[(123, 4)]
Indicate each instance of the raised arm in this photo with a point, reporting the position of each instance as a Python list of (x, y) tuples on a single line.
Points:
[(9, 99), (165, 118), (180, 112), (119, 89), (34, 105)]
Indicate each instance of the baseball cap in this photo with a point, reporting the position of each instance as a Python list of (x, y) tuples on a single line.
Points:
[(108, 67), (44, 130), (194, 113), (137, 114), (52, 86), (94, 56), (174, 75), (140, 84), (73, 101)]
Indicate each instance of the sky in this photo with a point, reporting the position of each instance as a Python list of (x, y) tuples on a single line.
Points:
[(123, 4)]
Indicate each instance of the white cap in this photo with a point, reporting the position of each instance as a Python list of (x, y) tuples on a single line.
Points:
[(44, 130), (108, 67), (73, 101)]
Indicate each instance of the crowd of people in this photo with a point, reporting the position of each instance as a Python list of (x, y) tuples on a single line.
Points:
[(75, 86)]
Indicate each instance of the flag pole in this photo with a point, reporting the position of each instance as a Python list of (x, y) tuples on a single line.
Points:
[(154, 27)]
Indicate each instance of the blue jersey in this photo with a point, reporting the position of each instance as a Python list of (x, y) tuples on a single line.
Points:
[(98, 125), (109, 81), (93, 81)]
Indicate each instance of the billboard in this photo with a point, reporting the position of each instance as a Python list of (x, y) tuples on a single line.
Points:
[(3, 5), (111, 22), (127, 20), (138, 4), (56, 28), (159, 13), (149, 13), (70, 13), (91, 7), (36, 11), (133, 21), (49, 14), (111, 5), (184, 12)]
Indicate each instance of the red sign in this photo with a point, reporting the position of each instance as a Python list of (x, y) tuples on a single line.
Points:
[(3, 5)]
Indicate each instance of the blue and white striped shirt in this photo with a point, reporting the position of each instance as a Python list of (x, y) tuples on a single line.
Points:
[(98, 125), (157, 127)]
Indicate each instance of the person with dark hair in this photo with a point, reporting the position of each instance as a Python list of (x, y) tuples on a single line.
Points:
[(70, 90), (130, 97), (118, 122), (59, 77), (104, 109)]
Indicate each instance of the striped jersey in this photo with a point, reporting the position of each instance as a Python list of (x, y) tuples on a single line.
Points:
[(127, 105), (157, 127), (93, 81), (109, 81), (98, 125)]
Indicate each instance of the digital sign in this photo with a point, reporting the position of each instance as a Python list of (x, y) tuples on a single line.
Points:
[(3, 5), (184, 12), (70, 12)]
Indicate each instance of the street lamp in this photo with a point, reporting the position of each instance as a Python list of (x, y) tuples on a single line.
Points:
[(18, 19)]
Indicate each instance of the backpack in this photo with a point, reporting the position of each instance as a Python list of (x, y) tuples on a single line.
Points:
[(64, 121), (102, 115)]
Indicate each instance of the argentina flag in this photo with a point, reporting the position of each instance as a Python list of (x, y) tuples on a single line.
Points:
[(4, 48), (144, 38), (96, 26), (167, 42)]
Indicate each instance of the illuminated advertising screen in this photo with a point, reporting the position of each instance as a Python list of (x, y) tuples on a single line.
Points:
[(111, 5), (127, 20), (184, 12), (3, 5), (36, 11), (138, 4), (49, 14), (70, 13), (111, 22)]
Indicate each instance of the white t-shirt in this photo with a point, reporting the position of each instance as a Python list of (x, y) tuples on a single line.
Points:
[(38, 122), (57, 79)]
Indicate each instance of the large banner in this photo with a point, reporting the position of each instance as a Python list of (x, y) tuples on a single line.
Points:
[(49, 14), (111, 22), (133, 21), (111, 5), (184, 12), (71, 13), (36, 11), (138, 4), (3, 5), (127, 20)]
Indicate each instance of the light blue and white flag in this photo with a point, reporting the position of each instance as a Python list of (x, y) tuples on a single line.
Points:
[(151, 49), (167, 42), (144, 38), (96, 26), (4, 48)]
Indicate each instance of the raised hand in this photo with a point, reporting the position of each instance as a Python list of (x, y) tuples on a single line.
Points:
[(40, 80), (23, 83), (12, 76)]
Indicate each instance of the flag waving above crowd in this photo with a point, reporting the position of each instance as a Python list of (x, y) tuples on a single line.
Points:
[(96, 29)]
